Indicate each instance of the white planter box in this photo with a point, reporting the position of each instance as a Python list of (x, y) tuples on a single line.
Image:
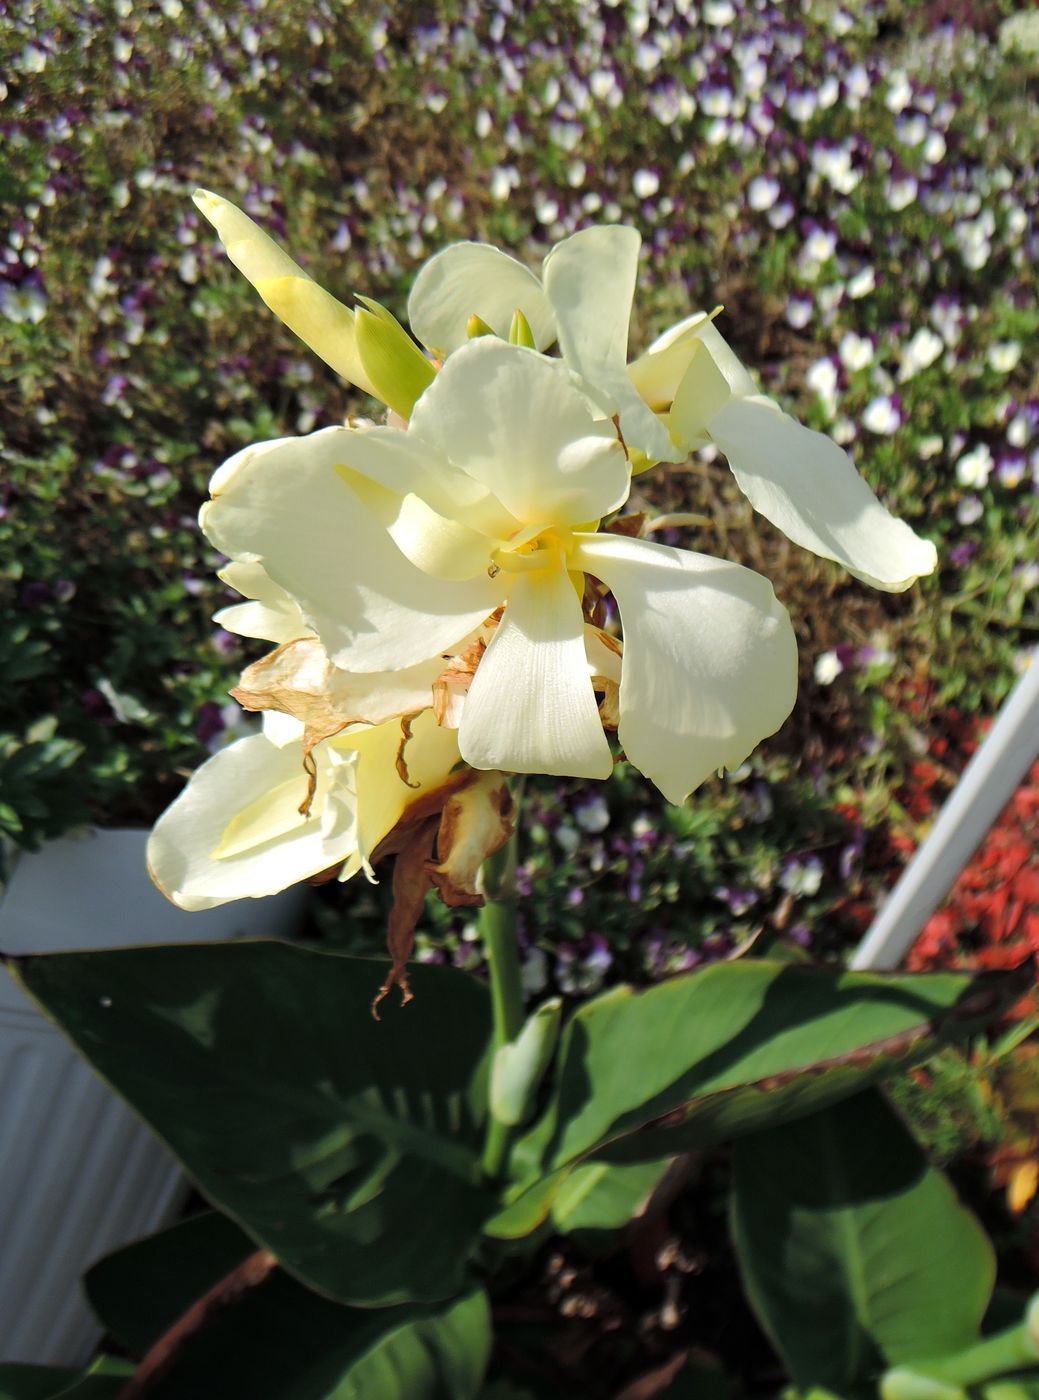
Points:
[(79, 1175)]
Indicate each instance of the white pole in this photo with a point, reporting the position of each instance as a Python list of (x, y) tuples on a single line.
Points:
[(988, 782)]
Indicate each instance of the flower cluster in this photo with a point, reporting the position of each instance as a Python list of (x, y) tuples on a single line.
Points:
[(436, 584)]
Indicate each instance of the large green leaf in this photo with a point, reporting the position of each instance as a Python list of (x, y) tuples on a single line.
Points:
[(855, 1253), (349, 1148), (728, 1050), (280, 1339)]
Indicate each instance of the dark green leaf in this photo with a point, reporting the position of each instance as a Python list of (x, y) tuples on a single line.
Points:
[(855, 1253), (103, 1379), (140, 1291), (279, 1339), (349, 1148)]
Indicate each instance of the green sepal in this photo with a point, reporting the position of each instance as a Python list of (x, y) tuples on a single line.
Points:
[(520, 332), (396, 367)]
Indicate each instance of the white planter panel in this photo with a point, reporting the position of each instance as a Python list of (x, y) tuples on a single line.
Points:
[(79, 1175)]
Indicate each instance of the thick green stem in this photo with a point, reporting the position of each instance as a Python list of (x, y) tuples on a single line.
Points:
[(497, 924)]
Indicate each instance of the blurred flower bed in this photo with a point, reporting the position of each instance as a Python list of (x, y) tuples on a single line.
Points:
[(857, 186)]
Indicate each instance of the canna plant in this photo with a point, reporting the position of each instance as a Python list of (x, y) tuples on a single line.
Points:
[(435, 589)]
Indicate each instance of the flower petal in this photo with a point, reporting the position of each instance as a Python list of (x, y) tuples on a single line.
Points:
[(475, 278), (514, 422), (288, 505), (658, 372), (807, 486), (710, 662), (398, 765), (236, 832), (322, 322), (298, 680), (531, 707), (590, 282), (701, 393), (271, 615), (723, 355)]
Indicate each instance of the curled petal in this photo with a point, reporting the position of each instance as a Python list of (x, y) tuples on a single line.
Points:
[(710, 662), (658, 372), (288, 506), (702, 392), (515, 423), (723, 355), (236, 832), (323, 323), (807, 486), (531, 706), (475, 279), (271, 615)]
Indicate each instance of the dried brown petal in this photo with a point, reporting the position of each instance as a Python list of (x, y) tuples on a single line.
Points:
[(411, 880)]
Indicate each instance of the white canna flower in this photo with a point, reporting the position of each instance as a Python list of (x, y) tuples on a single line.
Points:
[(798, 479), (582, 299), (398, 544)]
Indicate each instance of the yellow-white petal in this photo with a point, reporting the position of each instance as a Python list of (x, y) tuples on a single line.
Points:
[(289, 507), (807, 486), (322, 322), (271, 615), (531, 707), (513, 421), (397, 763), (710, 662), (235, 832), (723, 355), (405, 464), (590, 281), (702, 392), (475, 279), (658, 372)]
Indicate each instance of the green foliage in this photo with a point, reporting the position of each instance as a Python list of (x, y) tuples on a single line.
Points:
[(350, 1148), (855, 1252), (103, 1379), (280, 1339), (725, 1051)]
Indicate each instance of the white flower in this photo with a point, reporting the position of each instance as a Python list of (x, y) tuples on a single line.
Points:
[(1004, 356), (827, 668), (922, 350), (881, 416), (645, 183), (863, 282), (397, 544), (856, 351), (762, 192), (583, 299), (930, 447), (974, 467), (969, 510)]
